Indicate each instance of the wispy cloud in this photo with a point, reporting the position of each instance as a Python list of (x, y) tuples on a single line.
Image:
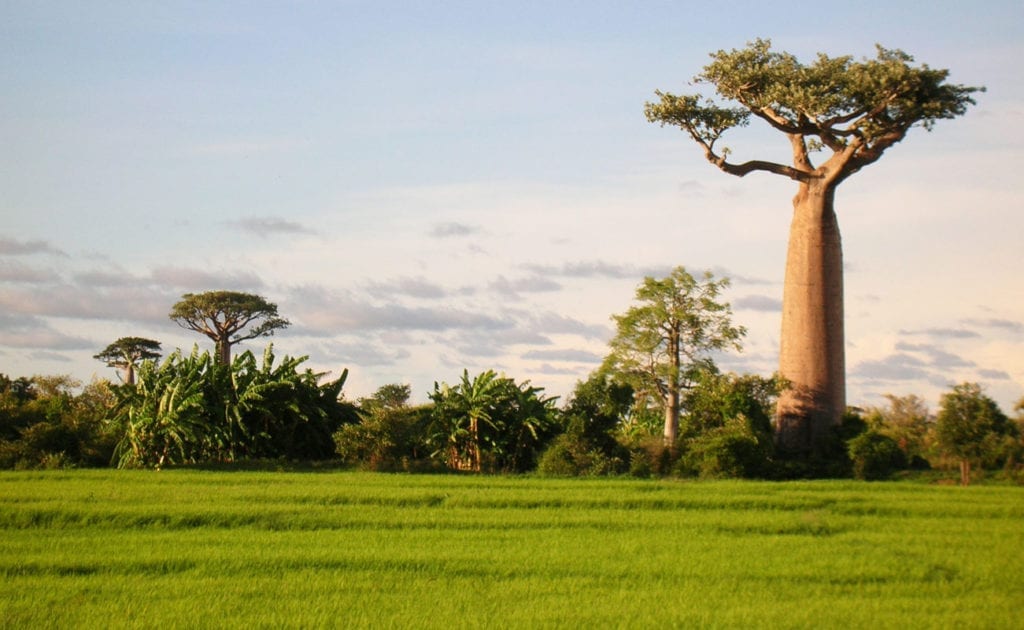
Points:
[(15, 272), (205, 280), (341, 312), (532, 284), (35, 332), (265, 227), (14, 247), (597, 269), (449, 230), (564, 354), (418, 287), (761, 303), (1005, 325), (994, 375), (895, 367), (948, 333)]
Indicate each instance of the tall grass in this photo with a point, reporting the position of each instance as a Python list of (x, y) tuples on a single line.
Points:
[(215, 549)]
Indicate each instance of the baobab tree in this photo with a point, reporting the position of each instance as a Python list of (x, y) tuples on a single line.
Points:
[(126, 353), (854, 111), (225, 317)]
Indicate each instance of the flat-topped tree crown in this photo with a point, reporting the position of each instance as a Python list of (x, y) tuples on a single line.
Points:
[(227, 317), (857, 109), (126, 353), (852, 112)]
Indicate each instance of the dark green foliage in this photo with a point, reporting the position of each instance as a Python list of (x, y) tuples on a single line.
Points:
[(716, 398), (192, 409), (590, 422), (875, 456), (45, 424), (971, 427), (831, 460), (490, 423), (391, 435), (734, 449), (726, 428)]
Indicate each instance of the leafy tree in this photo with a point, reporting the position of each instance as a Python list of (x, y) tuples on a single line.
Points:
[(907, 421), (54, 427), (460, 410), (733, 449), (727, 424), (715, 398), (663, 343), (875, 455), (854, 110), (490, 417), (971, 427), (390, 435), (226, 316), (126, 353)]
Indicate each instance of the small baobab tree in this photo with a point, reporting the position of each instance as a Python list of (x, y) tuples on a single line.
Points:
[(227, 317), (126, 353)]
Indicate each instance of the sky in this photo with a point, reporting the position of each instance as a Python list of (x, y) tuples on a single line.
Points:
[(428, 187)]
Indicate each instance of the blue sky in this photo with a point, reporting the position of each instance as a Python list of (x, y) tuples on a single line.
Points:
[(426, 187)]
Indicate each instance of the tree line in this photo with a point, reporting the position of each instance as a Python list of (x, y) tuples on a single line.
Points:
[(657, 406)]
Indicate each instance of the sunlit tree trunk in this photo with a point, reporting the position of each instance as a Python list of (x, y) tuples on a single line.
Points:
[(811, 355), (672, 388), (965, 472)]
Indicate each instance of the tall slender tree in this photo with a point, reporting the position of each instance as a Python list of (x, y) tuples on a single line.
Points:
[(227, 317), (662, 343), (855, 111)]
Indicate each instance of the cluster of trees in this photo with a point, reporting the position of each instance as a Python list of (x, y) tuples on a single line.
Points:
[(658, 405)]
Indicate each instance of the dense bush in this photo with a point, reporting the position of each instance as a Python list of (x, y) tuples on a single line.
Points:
[(45, 424), (191, 409), (734, 449), (875, 456), (390, 434), (490, 423)]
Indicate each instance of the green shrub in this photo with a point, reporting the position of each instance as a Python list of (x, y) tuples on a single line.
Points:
[(735, 450), (572, 456), (875, 456)]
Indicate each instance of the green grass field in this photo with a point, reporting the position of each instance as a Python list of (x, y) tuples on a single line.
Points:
[(213, 549)]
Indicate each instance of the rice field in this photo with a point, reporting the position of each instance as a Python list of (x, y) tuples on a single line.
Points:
[(193, 549)]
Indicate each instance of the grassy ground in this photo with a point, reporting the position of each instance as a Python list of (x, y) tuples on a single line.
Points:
[(262, 549)]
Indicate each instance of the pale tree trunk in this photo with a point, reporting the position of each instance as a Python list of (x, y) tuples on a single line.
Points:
[(474, 453), (129, 374), (965, 472), (671, 418), (811, 355), (672, 393)]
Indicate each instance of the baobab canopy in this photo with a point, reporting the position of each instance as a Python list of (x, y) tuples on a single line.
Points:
[(852, 111), (227, 317), (857, 109)]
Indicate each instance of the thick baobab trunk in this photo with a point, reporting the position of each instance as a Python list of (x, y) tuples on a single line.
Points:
[(811, 355)]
